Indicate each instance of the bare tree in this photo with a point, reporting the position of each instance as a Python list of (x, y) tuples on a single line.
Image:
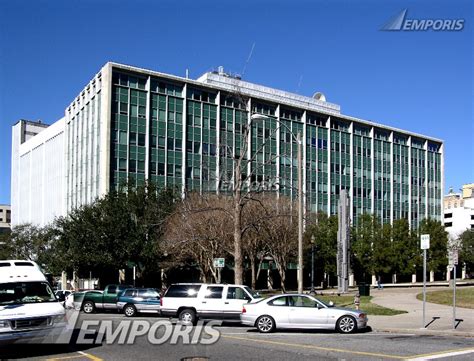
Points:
[(198, 232), (281, 233)]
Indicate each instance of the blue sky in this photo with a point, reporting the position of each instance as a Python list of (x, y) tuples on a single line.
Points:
[(419, 81)]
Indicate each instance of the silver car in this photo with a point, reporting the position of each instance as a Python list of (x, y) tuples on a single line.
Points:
[(300, 311)]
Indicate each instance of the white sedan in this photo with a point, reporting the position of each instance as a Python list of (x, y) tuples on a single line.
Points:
[(302, 312)]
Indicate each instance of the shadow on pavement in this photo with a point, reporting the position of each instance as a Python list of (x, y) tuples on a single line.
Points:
[(25, 349), (314, 331)]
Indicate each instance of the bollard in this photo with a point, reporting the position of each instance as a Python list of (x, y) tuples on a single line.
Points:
[(357, 301)]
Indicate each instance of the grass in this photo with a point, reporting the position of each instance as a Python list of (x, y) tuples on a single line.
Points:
[(365, 304), (464, 297)]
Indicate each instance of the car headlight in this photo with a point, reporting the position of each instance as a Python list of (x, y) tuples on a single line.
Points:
[(58, 319), (4, 324)]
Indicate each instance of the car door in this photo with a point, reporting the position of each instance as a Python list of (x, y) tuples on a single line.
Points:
[(109, 297), (278, 308), (212, 303), (235, 298), (306, 312), (151, 300)]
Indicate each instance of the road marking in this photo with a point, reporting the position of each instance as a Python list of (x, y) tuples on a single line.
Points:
[(81, 355), (317, 347), (435, 355)]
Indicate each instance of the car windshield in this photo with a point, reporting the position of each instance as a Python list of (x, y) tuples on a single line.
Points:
[(252, 293), (25, 292)]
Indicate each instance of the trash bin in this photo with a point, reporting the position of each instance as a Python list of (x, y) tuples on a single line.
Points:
[(364, 289)]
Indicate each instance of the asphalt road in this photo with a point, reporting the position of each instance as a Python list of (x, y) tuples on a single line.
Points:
[(236, 342)]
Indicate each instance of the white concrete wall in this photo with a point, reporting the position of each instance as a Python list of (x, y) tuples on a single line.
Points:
[(460, 218), (38, 184)]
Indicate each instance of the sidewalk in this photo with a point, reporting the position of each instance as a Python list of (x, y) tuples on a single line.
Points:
[(405, 299)]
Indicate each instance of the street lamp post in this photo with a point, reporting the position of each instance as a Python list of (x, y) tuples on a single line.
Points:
[(299, 142), (312, 264)]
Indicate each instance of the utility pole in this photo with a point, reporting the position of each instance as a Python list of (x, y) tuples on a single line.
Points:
[(300, 213)]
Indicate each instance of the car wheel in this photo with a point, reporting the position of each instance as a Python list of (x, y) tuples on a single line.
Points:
[(265, 324), (129, 310), (187, 316), (346, 324), (88, 307)]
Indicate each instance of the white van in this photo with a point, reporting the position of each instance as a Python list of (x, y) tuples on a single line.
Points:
[(29, 310)]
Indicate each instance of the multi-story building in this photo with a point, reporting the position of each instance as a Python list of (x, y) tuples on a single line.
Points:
[(5, 217), (459, 211), (37, 192), (135, 124)]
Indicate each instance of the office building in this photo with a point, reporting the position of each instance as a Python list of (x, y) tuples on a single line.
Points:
[(135, 124)]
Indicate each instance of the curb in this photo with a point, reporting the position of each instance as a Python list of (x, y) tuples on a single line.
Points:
[(420, 331)]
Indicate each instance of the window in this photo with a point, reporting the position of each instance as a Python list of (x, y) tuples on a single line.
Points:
[(236, 293), (128, 293), (161, 169), (301, 301), (214, 292), (181, 291), (141, 140), (280, 301), (112, 290)]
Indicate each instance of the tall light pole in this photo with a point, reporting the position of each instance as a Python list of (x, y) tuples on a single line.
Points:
[(299, 142), (312, 264)]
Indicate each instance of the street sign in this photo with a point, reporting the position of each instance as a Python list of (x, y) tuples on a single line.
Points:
[(219, 262), (425, 241), (453, 258)]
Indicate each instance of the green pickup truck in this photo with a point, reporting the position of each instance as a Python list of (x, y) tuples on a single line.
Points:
[(90, 301)]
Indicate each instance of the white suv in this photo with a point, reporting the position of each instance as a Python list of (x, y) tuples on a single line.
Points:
[(190, 301)]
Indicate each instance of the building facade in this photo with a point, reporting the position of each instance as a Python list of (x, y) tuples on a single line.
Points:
[(135, 124), (37, 177), (5, 217), (459, 211)]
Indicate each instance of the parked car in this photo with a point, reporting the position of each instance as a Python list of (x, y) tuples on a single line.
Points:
[(29, 310), (90, 301), (139, 300), (190, 301), (302, 312), (61, 295)]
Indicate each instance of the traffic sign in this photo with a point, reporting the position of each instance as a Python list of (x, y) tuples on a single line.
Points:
[(219, 262), (453, 257), (425, 241)]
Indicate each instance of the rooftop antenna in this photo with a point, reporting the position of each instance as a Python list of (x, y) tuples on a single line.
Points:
[(299, 84), (187, 73), (248, 59)]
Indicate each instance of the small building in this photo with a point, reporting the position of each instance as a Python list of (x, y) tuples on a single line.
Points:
[(459, 211), (5, 217)]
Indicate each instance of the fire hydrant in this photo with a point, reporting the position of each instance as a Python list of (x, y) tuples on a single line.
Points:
[(357, 301)]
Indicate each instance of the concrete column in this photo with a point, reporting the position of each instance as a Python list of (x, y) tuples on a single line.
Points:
[(463, 272), (432, 276), (413, 278), (394, 278), (374, 280), (351, 280), (64, 280), (448, 274)]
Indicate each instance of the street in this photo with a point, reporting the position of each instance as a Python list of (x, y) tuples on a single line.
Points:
[(244, 343)]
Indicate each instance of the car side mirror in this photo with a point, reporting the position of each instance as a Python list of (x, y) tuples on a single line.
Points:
[(331, 304)]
